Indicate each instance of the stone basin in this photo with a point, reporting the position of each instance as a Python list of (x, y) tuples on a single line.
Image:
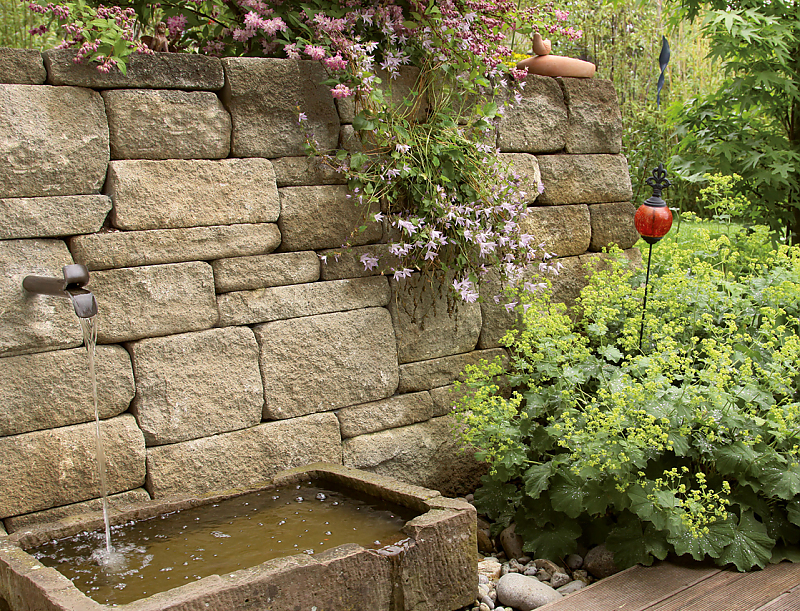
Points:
[(434, 571)]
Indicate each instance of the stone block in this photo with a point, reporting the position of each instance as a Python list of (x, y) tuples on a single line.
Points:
[(562, 230), (424, 375), (444, 398), (187, 71), (195, 385), (584, 179), (53, 389), (34, 323), (595, 121), (397, 91), (156, 300), (346, 262), (425, 454), (305, 171), (537, 124), (386, 414), (496, 318), (572, 277), (22, 66), (167, 124), (528, 168), (55, 141), (49, 217), (192, 193), (264, 97), (429, 322), (116, 249), (294, 301), (613, 224), (349, 140), (242, 459), (56, 467), (313, 218), (262, 271), (321, 363)]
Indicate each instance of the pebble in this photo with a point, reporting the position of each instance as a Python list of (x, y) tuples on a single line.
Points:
[(600, 562), (484, 607), (511, 542), (572, 586), (485, 600), (515, 566), (530, 571), (543, 575), (559, 579), (548, 565), (524, 593), (574, 562)]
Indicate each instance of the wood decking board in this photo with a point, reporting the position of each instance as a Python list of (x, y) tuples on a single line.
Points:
[(787, 602)]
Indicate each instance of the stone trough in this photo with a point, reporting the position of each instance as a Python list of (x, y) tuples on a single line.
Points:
[(435, 572)]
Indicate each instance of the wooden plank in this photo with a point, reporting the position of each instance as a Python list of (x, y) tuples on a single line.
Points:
[(635, 588), (731, 591), (786, 602)]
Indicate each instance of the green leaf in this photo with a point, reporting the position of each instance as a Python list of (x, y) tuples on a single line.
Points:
[(553, 541), (567, 495), (636, 543), (699, 544), (751, 546), (537, 479), (643, 507), (793, 512), (785, 552), (497, 500), (734, 459), (361, 123)]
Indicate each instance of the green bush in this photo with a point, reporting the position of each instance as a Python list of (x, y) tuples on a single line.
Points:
[(686, 444)]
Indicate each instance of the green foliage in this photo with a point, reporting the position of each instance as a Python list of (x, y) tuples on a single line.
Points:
[(17, 23), (687, 443)]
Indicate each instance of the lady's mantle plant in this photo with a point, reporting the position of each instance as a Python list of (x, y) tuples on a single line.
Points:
[(688, 444)]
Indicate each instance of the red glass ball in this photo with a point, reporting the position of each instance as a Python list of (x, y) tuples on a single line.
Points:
[(653, 222)]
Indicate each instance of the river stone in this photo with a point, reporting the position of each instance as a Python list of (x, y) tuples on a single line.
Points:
[(44, 469), (599, 562), (424, 375), (429, 322), (595, 121), (425, 454), (527, 168), (571, 587), (524, 593), (55, 141), (562, 230), (282, 302), (313, 218), (195, 385), (321, 363), (53, 389), (116, 249), (47, 217), (613, 224), (346, 262), (386, 414), (192, 193), (188, 71), (33, 323), (167, 124), (22, 66), (584, 179), (305, 171), (139, 302), (537, 124), (243, 458), (262, 271), (264, 97)]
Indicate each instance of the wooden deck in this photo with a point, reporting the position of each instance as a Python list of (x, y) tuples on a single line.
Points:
[(667, 586)]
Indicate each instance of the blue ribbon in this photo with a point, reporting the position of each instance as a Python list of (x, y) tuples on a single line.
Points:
[(663, 60)]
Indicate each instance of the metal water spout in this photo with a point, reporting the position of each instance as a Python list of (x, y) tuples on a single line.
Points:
[(76, 276)]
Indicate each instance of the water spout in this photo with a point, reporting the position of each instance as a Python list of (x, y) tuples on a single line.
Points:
[(76, 276)]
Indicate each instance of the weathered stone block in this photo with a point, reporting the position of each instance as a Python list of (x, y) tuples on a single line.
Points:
[(55, 141), (188, 71), (264, 97), (167, 124), (324, 362), (52, 389), (55, 467), (183, 193), (425, 454), (243, 458), (133, 248), (595, 122), (33, 323), (282, 302), (496, 318), (262, 271), (387, 414), (346, 263), (139, 302), (527, 167), (613, 224), (573, 276), (305, 171), (424, 375), (537, 124), (194, 385), (48, 217), (22, 66), (584, 179), (323, 217), (429, 323), (563, 230), (444, 398)]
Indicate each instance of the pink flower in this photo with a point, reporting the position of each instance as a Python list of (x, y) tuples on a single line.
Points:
[(313, 52), (176, 24), (335, 63), (291, 51), (369, 261), (341, 91), (561, 15)]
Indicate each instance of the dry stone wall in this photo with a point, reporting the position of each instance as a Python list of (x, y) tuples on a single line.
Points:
[(233, 342)]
